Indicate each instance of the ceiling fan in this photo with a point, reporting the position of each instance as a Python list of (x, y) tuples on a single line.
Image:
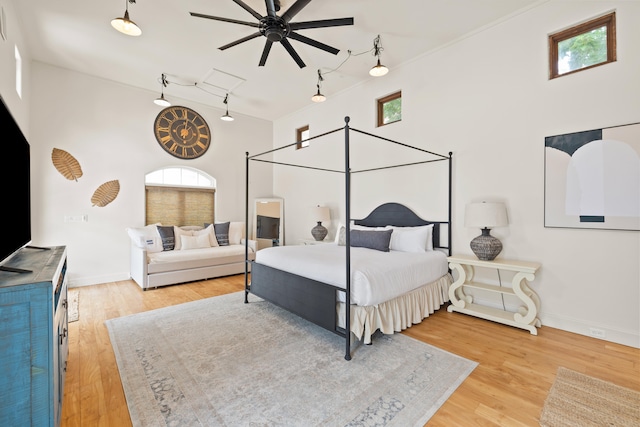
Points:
[(280, 28)]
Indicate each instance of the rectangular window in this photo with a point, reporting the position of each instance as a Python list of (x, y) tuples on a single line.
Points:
[(390, 109), (583, 46), (302, 137)]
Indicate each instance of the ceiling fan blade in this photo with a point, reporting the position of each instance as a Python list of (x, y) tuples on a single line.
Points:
[(219, 18), (292, 52), (265, 53), (271, 8), (294, 9), (313, 43), (242, 40), (321, 23), (248, 9)]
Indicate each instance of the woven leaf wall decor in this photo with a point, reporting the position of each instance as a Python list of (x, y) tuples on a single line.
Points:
[(106, 193), (66, 164)]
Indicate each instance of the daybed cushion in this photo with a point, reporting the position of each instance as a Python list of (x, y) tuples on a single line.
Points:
[(194, 258)]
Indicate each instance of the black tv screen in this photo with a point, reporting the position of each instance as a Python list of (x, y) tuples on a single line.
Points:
[(15, 178), (267, 227)]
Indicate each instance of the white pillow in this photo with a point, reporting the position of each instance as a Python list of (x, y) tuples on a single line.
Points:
[(194, 242), (412, 239), (146, 237), (210, 232), (236, 232), (177, 232)]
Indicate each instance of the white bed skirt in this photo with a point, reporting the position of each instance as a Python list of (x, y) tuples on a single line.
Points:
[(399, 313)]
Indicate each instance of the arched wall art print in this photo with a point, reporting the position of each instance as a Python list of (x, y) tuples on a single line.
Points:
[(592, 179)]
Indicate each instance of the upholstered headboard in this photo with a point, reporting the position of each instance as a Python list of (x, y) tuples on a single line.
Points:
[(399, 215)]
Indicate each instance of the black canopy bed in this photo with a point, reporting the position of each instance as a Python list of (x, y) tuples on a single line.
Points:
[(389, 268)]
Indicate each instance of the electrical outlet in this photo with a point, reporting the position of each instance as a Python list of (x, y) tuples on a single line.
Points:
[(597, 333), (76, 218)]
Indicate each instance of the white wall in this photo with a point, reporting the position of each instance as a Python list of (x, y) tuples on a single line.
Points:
[(108, 128), (487, 99)]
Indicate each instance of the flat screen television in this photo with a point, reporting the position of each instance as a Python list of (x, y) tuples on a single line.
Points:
[(15, 176), (267, 227)]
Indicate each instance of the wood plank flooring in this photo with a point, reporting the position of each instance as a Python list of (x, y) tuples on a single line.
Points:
[(508, 388)]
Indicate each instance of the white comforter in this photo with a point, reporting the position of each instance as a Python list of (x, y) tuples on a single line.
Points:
[(376, 276)]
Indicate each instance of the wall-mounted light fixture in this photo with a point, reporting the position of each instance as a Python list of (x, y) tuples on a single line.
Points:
[(378, 69), (124, 24), (226, 117), (162, 101), (318, 97)]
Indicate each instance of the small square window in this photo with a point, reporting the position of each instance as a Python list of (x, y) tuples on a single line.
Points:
[(390, 109), (302, 137), (583, 46)]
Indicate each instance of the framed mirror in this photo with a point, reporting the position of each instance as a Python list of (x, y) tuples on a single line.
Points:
[(268, 222)]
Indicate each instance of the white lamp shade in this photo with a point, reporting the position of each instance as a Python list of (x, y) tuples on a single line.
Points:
[(485, 215), (322, 214)]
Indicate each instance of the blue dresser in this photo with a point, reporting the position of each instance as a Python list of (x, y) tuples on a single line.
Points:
[(33, 337)]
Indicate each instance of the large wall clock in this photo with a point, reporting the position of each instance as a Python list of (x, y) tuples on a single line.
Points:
[(182, 132)]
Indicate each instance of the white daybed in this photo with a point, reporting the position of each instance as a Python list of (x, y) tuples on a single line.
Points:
[(195, 255)]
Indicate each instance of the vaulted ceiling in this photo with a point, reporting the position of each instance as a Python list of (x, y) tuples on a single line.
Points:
[(78, 36)]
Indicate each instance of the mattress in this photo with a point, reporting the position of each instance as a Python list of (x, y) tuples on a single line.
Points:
[(195, 254), (375, 276)]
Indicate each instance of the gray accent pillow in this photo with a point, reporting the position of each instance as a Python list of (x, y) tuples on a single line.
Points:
[(222, 233), (378, 239), (168, 237)]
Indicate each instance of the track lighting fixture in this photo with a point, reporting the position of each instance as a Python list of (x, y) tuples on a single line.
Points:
[(318, 97), (379, 69), (226, 117), (162, 101), (126, 25)]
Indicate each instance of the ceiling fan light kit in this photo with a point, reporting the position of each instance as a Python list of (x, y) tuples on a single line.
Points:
[(126, 25)]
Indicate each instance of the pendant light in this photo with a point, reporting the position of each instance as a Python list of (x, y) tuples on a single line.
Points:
[(226, 117), (162, 101), (378, 70), (126, 25), (318, 97)]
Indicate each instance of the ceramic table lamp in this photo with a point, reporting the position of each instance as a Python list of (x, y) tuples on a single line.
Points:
[(321, 214), (486, 215)]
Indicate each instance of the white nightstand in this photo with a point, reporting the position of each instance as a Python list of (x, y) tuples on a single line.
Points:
[(313, 242), (525, 318)]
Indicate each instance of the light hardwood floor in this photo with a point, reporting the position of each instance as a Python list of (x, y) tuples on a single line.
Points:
[(508, 388)]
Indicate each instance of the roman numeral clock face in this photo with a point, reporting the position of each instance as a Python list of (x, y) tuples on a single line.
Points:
[(182, 132)]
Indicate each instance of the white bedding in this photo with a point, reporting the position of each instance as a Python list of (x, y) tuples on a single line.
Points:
[(376, 276)]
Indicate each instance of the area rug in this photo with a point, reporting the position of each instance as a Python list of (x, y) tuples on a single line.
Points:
[(220, 361), (73, 296), (578, 400)]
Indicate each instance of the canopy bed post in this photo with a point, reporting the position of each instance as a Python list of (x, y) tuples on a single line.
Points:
[(347, 203), (449, 234), (246, 233)]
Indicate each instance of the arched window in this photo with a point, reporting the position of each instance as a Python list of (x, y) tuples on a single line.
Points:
[(179, 196)]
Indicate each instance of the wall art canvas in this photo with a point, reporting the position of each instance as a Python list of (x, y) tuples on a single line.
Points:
[(592, 179)]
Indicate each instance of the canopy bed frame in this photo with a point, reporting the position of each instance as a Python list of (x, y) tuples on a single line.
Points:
[(314, 300)]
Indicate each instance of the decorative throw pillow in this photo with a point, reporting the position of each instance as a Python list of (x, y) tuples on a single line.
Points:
[(411, 239), (168, 237), (194, 242), (222, 233), (146, 237), (208, 231), (236, 232), (179, 231), (374, 239)]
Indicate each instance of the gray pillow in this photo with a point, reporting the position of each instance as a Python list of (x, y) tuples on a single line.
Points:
[(222, 233), (168, 237), (374, 239)]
